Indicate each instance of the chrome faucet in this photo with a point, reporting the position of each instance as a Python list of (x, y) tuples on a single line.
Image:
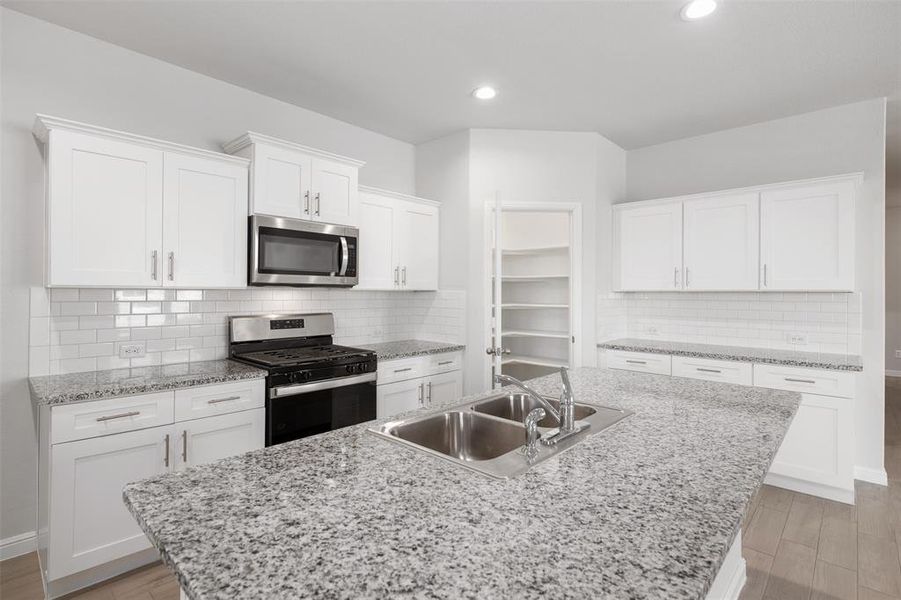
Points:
[(565, 417), (532, 435)]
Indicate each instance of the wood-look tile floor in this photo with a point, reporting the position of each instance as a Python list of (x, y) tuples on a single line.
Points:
[(797, 547)]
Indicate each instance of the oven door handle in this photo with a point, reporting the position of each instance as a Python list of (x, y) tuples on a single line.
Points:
[(316, 386), (345, 256)]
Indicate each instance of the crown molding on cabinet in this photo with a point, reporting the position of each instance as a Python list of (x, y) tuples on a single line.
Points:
[(252, 137), (381, 192), (856, 176), (44, 124)]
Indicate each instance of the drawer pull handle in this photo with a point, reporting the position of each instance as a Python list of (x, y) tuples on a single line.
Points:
[(218, 400), (133, 413), (637, 362), (799, 380), (403, 370), (445, 362), (709, 370), (166, 459), (184, 446)]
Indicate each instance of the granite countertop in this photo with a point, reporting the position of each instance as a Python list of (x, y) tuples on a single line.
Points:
[(96, 385), (407, 348), (646, 509), (814, 360)]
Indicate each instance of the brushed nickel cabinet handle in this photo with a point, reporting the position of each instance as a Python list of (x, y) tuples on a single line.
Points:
[(403, 370), (675, 277), (306, 202), (637, 362), (430, 392), (687, 278), (153, 269), (764, 274), (133, 413), (171, 266), (420, 394), (184, 446), (318, 204), (404, 276), (396, 275), (793, 380), (218, 400), (702, 369), (166, 459), (445, 362)]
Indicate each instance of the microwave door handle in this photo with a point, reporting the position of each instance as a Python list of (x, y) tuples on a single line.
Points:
[(345, 256)]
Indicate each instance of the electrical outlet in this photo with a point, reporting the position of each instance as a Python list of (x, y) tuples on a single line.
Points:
[(651, 330), (131, 350), (796, 339), (897, 353)]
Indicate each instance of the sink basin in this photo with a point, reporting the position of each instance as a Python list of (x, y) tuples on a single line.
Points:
[(516, 406), (461, 435)]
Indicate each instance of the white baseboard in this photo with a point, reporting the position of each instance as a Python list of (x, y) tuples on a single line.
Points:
[(813, 489), (877, 476), (17, 545), (892, 373)]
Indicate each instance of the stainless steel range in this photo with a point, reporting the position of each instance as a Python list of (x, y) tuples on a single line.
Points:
[(313, 385)]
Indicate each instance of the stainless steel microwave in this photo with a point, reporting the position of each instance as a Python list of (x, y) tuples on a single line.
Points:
[(301, 253)]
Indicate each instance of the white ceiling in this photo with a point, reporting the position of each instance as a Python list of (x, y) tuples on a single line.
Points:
[(630, 70)]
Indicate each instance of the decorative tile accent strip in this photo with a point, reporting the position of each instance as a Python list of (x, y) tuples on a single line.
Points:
[(76, 330)]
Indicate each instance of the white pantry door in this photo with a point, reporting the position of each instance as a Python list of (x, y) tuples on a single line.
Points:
[(105, 212), (807, 237), (722, 242), (205, 216), (648, 240)]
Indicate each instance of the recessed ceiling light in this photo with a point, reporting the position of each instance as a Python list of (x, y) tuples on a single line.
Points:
[(698, 9), (484, 92)]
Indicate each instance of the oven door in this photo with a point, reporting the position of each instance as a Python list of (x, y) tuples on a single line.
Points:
[(296, 252), (297, 411)]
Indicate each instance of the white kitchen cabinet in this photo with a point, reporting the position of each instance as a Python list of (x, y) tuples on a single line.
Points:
[(89, 523), (817, 454), (205, 222), (416, 382), (105, 211), (202, 441), (128, 211), (721, 242), (807, 236), (398, 241), (648, 246), (299, 182)]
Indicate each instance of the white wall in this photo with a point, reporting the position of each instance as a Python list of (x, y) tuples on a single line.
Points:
[(893, 284), (52, 70), (837, 140)]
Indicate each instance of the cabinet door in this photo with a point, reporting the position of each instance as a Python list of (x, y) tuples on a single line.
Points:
[(445, 387), (378, 243), (89, 524), (104, 213), (818, 446), (721, 242), (807, 237), (418, 245), (210, 439), (335, 195), (648, 245), (205, 222), (395, 398), (281, 182)]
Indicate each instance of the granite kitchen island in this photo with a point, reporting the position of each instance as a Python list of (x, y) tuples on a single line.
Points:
[(649, 508)]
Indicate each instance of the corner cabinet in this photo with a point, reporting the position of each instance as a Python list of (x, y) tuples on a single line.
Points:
[(796, 236), (298, 182), (91, 450), (398, 241), (128, 211)]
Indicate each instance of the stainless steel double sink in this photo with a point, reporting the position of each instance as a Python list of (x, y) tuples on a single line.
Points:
[(488, 435)]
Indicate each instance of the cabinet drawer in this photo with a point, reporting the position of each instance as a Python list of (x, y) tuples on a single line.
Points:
[(402, 369), (442, 363), (103, 417), (639, 361), (713, 370), (797, 379), (209, 400)]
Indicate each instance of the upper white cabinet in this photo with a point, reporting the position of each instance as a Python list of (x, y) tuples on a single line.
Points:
[(298, 182), (648, 242), (398, 241), (807, 236), (791, 236), (721, 242), (128, 211)]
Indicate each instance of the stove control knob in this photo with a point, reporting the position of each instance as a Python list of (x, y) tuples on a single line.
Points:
[(350, 368)]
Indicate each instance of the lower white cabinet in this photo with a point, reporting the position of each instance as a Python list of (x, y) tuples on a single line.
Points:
[(86, 532), (418, 382)]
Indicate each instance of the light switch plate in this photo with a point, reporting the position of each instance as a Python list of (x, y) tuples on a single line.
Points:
[(135, 350), (796, 339)]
